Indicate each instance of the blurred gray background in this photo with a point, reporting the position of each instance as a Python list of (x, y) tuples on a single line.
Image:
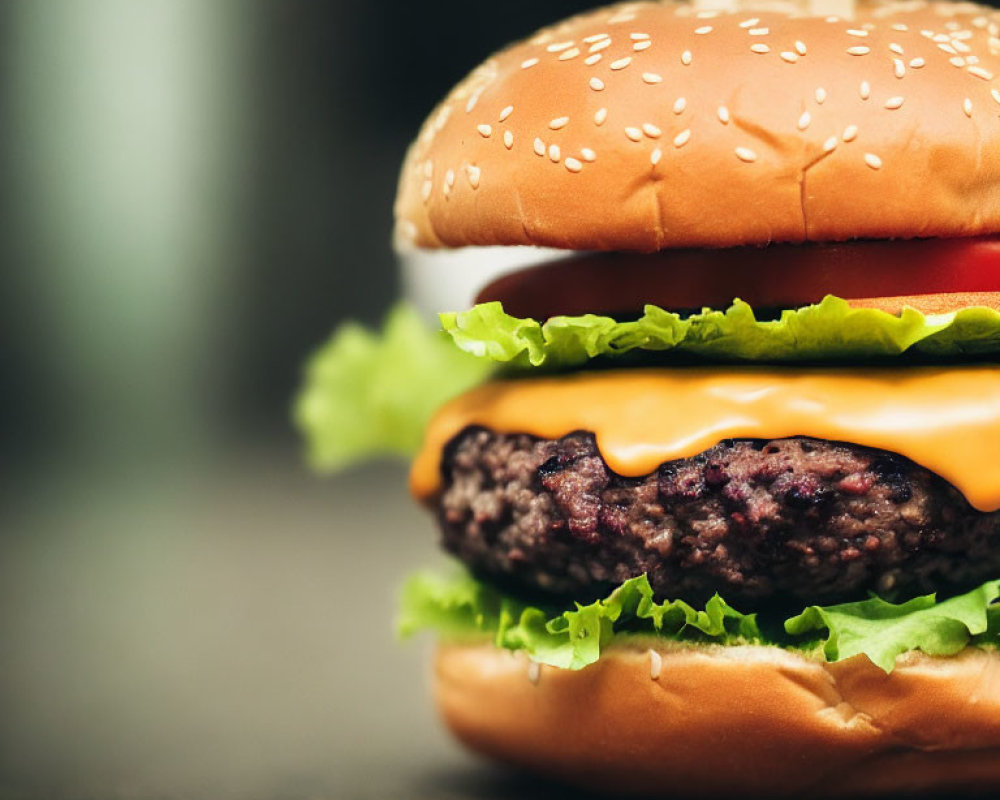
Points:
[(192, 195)]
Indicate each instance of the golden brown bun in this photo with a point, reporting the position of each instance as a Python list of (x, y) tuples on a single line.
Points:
[(804, 142), (942, 303), (751, 720)]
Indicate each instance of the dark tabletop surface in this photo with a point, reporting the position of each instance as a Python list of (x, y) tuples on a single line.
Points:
[(227, 634)]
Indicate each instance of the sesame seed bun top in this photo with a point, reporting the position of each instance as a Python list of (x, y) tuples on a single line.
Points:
[(645, 126)]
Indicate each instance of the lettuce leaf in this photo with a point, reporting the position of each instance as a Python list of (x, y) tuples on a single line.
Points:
[(828, 330), (368, 394), (883, 630), (462, 607)]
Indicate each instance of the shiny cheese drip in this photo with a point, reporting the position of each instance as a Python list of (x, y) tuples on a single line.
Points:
[(945, 419)]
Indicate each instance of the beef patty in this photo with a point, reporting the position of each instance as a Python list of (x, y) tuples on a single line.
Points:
[(765, 522)]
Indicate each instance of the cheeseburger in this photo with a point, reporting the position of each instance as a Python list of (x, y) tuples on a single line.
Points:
[(728, 508)]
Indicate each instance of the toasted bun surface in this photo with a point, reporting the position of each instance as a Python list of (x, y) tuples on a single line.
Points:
[(943, 303), (731, 721), (646, 126)]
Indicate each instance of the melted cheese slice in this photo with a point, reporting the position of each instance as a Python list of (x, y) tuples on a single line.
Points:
[(945, 419)]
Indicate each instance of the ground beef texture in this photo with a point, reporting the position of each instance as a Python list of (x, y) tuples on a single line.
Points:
[(788, 521)]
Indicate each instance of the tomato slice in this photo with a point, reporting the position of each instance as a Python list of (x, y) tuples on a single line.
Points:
[(772, 277)]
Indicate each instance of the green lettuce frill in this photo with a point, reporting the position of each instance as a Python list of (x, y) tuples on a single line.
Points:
[(367, 394), (829, 330), (463, 608)]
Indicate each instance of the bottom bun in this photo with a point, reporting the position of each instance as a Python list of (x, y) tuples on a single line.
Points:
[(945, 303), (714, 721)]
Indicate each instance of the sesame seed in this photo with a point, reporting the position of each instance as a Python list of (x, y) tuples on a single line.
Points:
[(893, 103), (558, 47), (597, 84), (995, 93), (539, 147), (469, 106), (559, 122), (800, 48), (898, 67), (508, 139), (873, 161), (760, 48), (600, 116), (655, 156), (638, 37), (474, 174), (917, 63), (746, 154), (821, 95), (859, 50), (486, 131), (569, 54), (856, 32), (601, 45), (723, 114), (703, 30), (651, 77), (749, 23), (528, 63), (948, 49), (956, 61), (651, 130), (588, 154), (425, 190), (621, 63), (979, 72), (961, 46), (506, 113), (640, 46), (591, 60), (830, 144), (534, 672), (804, 121), (408, 229), (941, 37), (759, 31), (789, 56), (595, 38), (682, 138), (865, 90), (967, 107), (850, 133), (555, 153), (573, 164), (679, 105), (428, 169), (686, 58), (897, 49), (972, 59), (634, 134), (899, 26), (449, 178)]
